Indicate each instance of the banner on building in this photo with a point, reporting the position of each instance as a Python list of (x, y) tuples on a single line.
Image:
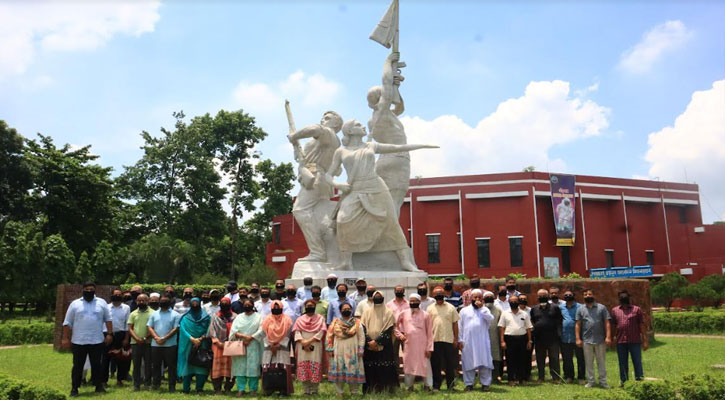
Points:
[(637, 271), (563, 204)]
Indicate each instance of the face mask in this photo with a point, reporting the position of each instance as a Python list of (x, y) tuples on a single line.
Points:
[(511, 288), (187, 296), (440, 297), (154, 305), (134, 295), (265, 295), (370, 293), (225, 307), (422, 292), (624, 300), (276, 311), (279, 286), (254, 291), (448, 286), (378, 300), (115, 298), (196, 307), (88, 295), (569, 297), (204, 300), (488, 300), (399, 295), (523, 301), (502, 293), (361, 289), (127, 298), (250, 308), (331, 283), (291, 293), (543, 300), (165, 304), (341, 293), (514, 304), (231, 289), (589, 299), (554, 298), (143, 307), (475, 284), (169, 294), (315, 295), (346, 313), (309, 310), (307, 282)]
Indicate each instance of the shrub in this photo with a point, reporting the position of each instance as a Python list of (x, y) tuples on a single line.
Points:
[(700, 294), (652, 390), (711, 321), (690, 387), (715, 282), (12, 389), (668, 289), (33, 333)]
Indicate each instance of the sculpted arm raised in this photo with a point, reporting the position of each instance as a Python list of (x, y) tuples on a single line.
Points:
[(383, 148)]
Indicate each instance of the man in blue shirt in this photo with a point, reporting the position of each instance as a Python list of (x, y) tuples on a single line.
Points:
[(163, 327), (334, 309), (85, 319), (569, 348)]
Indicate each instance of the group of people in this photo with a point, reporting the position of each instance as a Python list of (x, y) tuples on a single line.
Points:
[(353, 339)]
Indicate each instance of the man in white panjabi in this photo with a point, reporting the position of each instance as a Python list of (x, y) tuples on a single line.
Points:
[(473, 334), (318, 153), (366, 220)]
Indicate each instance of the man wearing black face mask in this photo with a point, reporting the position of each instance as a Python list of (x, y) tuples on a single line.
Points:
[(183, 306), (445, 340), (264, 303), (452, 297), (328, 292), (232, 293), (425, 300), (170, 292), (496, 353), (546, 319), (119, 321), (475, 283), (321, 306), (85, 318), (631, 336), (568, 339), (502, 301), (397, 306), (279, 292), (361, 307), (254, 292), (140, 342), (360, 295), (135, 291), (305, 292), (205, 298), (333, 310), (515, 337), (213, 307), (593, 334), (163, 326), (511, 287), (294, 306)]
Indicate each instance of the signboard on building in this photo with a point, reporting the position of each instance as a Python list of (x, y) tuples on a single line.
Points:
[(621, 272), (563, 204), (551, 267)]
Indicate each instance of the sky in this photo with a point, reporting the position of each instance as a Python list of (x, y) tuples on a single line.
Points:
[(609, 88)]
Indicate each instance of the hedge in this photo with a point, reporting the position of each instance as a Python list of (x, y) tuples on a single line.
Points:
[(13, 389), (690, 387), (159, 287), (33, 333), (709, 321)]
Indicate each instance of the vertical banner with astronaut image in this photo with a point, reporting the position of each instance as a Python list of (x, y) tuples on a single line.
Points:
[(563, 203)]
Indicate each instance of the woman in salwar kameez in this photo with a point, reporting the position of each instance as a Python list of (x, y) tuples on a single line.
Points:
[(309, 335), (345, 344), (193, 328), (276, 361), (381, 369), (221, 325), (247, 327)]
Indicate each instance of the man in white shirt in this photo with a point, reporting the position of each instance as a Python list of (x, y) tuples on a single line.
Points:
[(292, 305), (83, 335), (119, 323), (502, 301), (329, 292), (425, 300), (305, 292), (360, 295), (264, 303), (183, 306), (515, 336), (232, 293), (212, 307)]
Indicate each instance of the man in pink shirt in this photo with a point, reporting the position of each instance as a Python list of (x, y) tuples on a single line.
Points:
[(397, 306), (415, 329)]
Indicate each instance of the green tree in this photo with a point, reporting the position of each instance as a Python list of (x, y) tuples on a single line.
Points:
[(716, 282), (162, 258), (58, 266), (15, 177), (21, 253), (84, 272), (668, 289), (700, 293)]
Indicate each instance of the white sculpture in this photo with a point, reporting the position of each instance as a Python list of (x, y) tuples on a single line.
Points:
[(365, 219), (315, 194)]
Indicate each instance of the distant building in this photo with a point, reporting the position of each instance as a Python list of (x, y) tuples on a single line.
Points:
[(497, 224)]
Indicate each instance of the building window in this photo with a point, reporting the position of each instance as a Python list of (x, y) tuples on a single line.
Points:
[(650, 257), (434, 249), (276, 232), (517, 256), (484, 253), (683, 215), (565, 260), (609, 253), (460, 249)]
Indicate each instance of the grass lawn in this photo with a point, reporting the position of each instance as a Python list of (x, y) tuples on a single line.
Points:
[(669, 358)]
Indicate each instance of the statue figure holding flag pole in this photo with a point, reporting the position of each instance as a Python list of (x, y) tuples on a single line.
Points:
[(384, 125)]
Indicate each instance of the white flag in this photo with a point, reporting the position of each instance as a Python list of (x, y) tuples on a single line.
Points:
[(384, 32)]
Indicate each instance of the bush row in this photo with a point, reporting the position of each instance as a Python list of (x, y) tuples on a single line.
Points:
[(13, 389), (160, 287), (689, 322), (33, 333), (688, 388)]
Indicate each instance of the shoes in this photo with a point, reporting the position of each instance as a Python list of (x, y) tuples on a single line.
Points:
[(589, 385), (484, 389), (539, 381), (569, 380), (100, 389), (605, 386), (468, 388), (74, 393)]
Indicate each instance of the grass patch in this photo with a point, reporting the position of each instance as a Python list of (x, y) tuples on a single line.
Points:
[(669, 358)]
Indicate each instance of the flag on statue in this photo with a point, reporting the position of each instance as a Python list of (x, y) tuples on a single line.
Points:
[(385, 30)]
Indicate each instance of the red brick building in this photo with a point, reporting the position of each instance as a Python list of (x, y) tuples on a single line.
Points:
[(497, 224)]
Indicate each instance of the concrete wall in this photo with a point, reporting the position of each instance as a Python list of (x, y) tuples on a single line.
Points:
[(65, 295)]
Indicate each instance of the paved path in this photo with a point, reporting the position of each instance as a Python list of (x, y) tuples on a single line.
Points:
[(684, 335), (21, 345)]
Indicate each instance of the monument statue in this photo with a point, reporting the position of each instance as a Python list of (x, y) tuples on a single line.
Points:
[(314, 196), (365, 219)]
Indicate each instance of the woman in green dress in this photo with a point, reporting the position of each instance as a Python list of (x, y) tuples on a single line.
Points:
[(192, 332), (247, 327)]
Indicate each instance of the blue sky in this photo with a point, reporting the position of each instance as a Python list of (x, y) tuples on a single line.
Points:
[(601, 88)]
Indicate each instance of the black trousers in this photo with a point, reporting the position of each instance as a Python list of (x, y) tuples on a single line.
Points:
[(552, 350), (516, 354), (497, 372), (122, 366), (167, 355), (94, 352), (141, 355), (444, 356), (568, 351)]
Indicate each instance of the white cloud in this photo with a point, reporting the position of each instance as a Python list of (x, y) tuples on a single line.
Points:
[(519, 133), (32, 26), (694, 149), (654, 45)]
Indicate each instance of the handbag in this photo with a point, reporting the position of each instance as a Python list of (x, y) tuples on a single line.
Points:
[(202, 356), (274, 377), (234, 348), (122, 354)]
